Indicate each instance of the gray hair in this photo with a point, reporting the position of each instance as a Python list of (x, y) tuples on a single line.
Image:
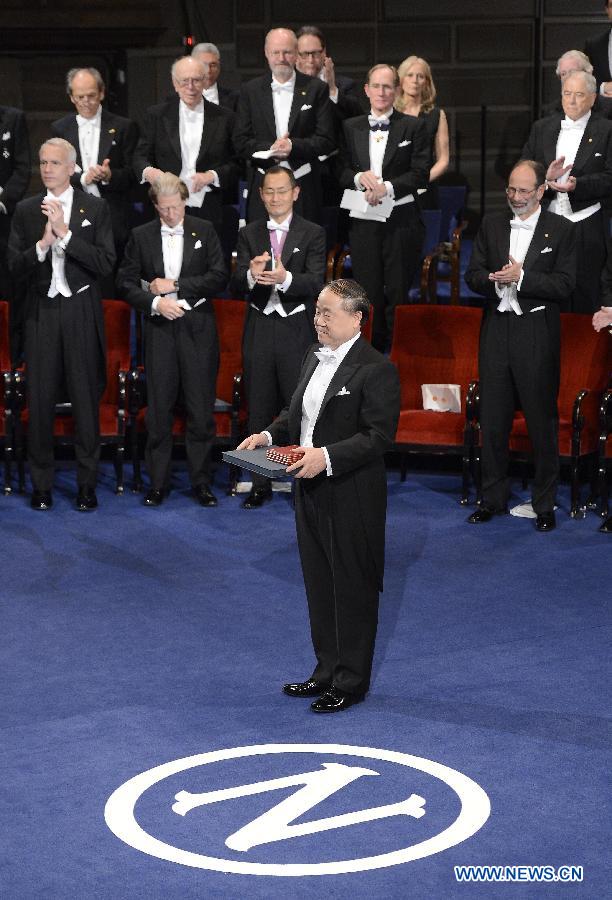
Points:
[(90, 70), (180, 60), (166, 185), (585, 62), (589, 81), (206, 47), (353, 296), (71, 153)]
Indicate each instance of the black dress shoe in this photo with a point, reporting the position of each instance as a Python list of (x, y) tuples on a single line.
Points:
[(305, 689), (606, 527), (41, 500), (257, 497), (86, 499), (205, 496), (545, 521), (485, 514), (334, 700), (154, 497)]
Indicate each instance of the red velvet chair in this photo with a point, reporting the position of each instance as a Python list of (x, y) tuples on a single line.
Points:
[(113, 404), (586, 367), (435, 345), (229, 412)]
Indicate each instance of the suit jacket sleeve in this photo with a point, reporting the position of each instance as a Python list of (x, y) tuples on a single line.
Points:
[(307, 282), (144, 154), (321, 142), (417, 176), (121, 169), (379, 414), (130, 274), (22, 257), (17, 182), (596, 186), (214, 280), (477, 273)]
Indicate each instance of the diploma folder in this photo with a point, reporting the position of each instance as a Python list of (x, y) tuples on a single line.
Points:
[(256, 461)]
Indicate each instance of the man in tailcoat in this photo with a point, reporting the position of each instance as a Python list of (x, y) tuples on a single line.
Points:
[(344, 414), (60, 247), (525, 267)]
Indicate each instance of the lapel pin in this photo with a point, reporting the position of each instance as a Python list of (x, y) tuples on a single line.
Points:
[(193, 234), (112, 130), (590, 140), (545, 235), (303, 93), (82, 210)]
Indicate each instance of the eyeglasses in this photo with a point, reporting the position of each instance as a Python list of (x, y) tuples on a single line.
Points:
[(187, 82), (519, 192), (316, 54), (275, 192)]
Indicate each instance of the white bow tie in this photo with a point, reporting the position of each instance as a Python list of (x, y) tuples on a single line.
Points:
[(325, 355), (374, 120), (172, 232), (515, 223), (278, 226), (570, 125), (81, 121), (279, 88)]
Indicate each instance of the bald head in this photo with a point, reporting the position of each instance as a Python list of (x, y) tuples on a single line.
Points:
[(281, 52)]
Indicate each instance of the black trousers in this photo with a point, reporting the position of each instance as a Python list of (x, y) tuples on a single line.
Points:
[(180, 354), (62, 350), (386, 257), (272, 352), (341, 587), (519, 365)]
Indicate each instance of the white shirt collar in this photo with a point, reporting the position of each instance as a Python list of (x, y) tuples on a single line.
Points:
[(65, 198), (582, 121), (530, 220), (284, 84), (96, 120), (188, 112), (341, 351)]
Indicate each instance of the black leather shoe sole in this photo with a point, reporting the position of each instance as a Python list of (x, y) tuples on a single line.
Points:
[(154, 498), (606, 527), (305, 689), (205, 496), (41, 500), (545, 522), (86, 501), (484, 514), (335, 701), (256, 498)]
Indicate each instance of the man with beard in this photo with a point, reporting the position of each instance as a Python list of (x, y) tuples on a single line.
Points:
[(525, 267)]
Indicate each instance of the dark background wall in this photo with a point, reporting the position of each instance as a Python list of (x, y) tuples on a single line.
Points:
[(501, 56)]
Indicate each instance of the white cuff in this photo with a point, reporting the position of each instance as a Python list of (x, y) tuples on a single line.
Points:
[(357, 181), (154, 305), (63, 242), (286, 283), (41, 254), (215, 181), (269, 437), (520, 281), (390, 191), (327, 461), (334, 97), (250, 280)]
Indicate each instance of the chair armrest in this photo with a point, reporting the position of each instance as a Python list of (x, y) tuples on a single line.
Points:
[(331, 260), (340, 260)]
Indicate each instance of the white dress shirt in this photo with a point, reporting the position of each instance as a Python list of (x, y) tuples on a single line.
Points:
[(59, 285), (211, 94), (570, 135), (274, 304), (89, 145), (329, 362), (282, 98), (521, 235), (172, 251)]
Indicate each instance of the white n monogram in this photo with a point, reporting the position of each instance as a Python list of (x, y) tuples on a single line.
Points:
[(275, 824)]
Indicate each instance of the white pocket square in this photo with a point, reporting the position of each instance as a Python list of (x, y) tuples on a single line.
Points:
[(404, 143), (197, 244), (84, 288), (546, 250), (305, 107), (296, 250), (598, 154), (537, 308), (85, 222), (113, 143), (6, 136), (343, 393)]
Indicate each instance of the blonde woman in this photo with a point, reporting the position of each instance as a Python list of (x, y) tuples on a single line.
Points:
[(416, 97)]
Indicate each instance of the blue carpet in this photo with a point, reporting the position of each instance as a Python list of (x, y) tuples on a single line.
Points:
[(134, 637)]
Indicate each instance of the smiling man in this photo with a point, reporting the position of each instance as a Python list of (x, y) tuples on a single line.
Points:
[(575, 147), (280, 270), (60, 247), (525, 267), (344, 415)]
